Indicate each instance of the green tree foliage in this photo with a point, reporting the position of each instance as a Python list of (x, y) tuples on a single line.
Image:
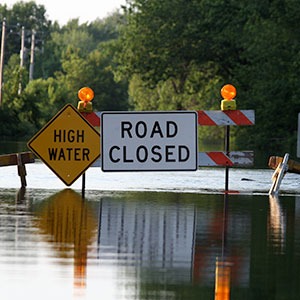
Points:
[(172, 39), (31, 17), (268, 78), (156, 43), (251, 44), (70, 57)]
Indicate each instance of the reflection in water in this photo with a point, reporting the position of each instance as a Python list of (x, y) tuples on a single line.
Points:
[(20, 197), (68, 221), (213, 250), (156, 235), (223, 267), (148, 246), (222, 281), (277, 230)]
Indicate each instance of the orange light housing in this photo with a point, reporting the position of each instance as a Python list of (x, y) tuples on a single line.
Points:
[(86, 94), (228, 92)]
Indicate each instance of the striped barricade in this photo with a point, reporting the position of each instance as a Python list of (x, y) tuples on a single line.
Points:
[(212, 118), (205, 117), (217, 159), (226, 117), (221, 159)]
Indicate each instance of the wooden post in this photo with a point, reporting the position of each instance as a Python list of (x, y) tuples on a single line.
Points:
[(2, 59), (18, 159), (21, 170), (293, 166), (31, 66)]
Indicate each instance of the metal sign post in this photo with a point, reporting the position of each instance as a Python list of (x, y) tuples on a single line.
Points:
[(298, 137), (227, 146)]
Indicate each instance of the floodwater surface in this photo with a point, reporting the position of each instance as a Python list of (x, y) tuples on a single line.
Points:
[(148, 245)]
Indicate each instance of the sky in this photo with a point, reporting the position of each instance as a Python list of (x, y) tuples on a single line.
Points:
[(65, 10)]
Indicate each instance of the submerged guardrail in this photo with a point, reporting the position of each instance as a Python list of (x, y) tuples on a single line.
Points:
[(18, 159)]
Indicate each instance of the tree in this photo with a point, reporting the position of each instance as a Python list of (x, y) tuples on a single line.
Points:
[(28, 15), (72, 57), (93, 70), (267, 79), (106, 29), (253, 45), (165, 40)]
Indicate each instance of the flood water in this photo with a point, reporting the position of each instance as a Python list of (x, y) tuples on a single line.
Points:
[(148, 245)]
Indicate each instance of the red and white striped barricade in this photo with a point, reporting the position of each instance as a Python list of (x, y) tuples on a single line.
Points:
[(212, 118)]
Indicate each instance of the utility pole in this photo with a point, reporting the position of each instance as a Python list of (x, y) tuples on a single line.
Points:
[(22, 52), (31, 67), (2, 58)]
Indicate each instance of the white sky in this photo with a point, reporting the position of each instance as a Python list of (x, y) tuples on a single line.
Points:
[(65, 10)]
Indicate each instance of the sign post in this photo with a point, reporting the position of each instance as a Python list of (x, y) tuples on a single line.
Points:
[(149, 141), (298, 137), (67, 144)]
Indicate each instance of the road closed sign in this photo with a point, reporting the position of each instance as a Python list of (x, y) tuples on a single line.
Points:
[(149, 141)]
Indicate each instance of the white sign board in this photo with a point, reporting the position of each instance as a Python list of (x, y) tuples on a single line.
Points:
[(149, 141)]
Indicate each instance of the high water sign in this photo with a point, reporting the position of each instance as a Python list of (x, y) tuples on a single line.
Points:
[(149, 141), (67, 144)]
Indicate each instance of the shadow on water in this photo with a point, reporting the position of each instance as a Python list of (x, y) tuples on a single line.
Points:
[(147, 245)]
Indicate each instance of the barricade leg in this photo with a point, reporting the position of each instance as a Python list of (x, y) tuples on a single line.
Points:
[(279, 174)]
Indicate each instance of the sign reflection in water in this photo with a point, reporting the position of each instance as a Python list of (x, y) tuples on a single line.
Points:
[(172, 243), (159, 245), (158, 236), (223, 266), (179, 243), (70, 224)]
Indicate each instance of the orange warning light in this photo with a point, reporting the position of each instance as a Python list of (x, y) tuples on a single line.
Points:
[(228, 92), (86, 94)]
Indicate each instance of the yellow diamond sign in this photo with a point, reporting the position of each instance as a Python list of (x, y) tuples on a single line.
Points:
[(68, 144)]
